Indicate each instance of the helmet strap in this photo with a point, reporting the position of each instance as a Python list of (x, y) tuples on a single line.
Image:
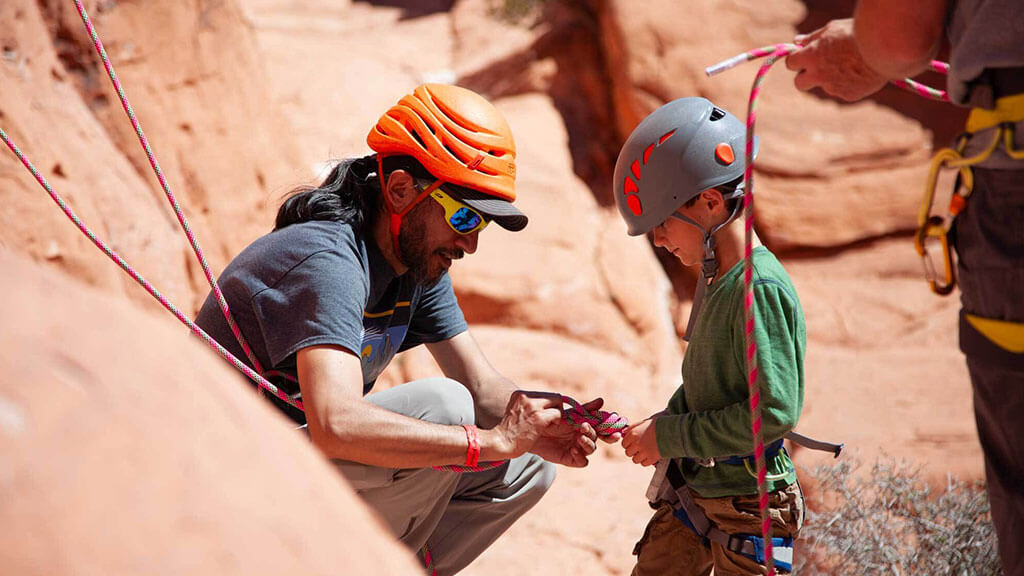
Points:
[(395, 218), (708, 266)]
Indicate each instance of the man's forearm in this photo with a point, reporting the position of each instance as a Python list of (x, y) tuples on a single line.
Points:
[(366, 433), (491, 397), (898, 38)]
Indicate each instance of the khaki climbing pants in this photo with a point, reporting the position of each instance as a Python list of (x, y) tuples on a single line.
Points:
[(669, 548), (457, 516)]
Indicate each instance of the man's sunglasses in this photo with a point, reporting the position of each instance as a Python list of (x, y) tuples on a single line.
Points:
[(461, 218)]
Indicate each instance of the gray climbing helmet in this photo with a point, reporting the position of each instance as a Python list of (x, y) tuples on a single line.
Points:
[(681, 149)]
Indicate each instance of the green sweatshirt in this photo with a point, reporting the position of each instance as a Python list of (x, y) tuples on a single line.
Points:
[(709, 415)]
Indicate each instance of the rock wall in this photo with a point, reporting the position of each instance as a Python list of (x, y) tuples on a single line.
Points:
[(127, 448), (197, 86)]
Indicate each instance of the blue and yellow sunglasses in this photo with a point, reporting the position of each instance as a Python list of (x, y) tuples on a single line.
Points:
[(461, 218)]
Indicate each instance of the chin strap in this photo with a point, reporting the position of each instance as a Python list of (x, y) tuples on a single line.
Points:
[(395, 218), (709, 265)]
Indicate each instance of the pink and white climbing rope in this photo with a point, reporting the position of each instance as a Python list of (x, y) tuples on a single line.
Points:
[(141, 280), (123, 264), (182, 221), (906, 83), (773, 53)]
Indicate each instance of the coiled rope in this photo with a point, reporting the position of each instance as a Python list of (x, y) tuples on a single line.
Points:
[(605, 423), (773, 53)]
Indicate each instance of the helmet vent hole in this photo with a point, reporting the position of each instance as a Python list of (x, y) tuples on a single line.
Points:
[(418, 139), (450, 151), (717, 114)]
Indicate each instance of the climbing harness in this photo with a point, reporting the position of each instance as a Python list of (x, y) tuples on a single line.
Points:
[(770, 551), (772, 54), (935, 228), (668, 487)]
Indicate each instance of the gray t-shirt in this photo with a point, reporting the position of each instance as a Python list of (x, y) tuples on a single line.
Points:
[(985, 34), (982, 34), (316, 283)]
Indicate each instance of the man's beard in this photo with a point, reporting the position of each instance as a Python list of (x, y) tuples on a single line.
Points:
[(423, 263)]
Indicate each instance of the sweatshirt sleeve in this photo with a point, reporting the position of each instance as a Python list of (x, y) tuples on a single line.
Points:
[(726, 431)]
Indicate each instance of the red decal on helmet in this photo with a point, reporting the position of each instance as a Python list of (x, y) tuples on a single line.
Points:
[(630, 186), (647, 153), (634, 204)]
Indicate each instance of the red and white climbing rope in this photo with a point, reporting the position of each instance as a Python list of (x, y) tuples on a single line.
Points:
[(140, 279), (772, 54), (101, 51)]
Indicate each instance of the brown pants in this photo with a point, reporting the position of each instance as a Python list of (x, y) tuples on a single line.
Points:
[(670, 548), (989, 240)]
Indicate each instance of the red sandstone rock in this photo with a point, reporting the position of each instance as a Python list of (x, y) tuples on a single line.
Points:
[(128, 448)]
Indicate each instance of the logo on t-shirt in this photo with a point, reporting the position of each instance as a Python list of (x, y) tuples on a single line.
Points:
[(383, 334)]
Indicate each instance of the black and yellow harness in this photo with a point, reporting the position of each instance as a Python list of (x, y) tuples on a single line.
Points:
[(998, 340)]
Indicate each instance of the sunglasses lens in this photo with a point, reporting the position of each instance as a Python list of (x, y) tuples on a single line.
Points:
[(464, 220)]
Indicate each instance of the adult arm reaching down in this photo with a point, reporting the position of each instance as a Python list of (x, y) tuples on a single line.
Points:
[(343, 425)]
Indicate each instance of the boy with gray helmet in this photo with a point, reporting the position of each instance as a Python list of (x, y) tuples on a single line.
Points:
[(680, 177)]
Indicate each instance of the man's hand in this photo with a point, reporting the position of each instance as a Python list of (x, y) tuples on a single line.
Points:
[(562, 443), (641, 442), (533, 422), (830, 60)]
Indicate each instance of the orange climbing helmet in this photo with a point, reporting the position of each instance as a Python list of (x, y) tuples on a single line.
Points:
[(456, 134)]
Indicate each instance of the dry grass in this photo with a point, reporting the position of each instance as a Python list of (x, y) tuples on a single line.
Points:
[(523, 12), (894, 523)]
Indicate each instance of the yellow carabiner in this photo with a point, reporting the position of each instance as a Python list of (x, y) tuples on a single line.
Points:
[(935, 227), (945, 156), (1008, 111)]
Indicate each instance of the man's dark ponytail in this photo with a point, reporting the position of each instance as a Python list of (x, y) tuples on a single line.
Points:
[(349, 193)]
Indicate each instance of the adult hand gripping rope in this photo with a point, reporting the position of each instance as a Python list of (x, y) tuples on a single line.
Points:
[(605, 423), (772, 53)]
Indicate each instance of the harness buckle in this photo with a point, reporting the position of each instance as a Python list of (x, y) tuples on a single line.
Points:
[(735, 544)]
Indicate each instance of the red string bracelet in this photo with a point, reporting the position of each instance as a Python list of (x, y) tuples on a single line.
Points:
[(473, 450)]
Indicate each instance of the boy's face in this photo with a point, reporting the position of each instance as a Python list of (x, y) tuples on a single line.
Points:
[(684, 240)]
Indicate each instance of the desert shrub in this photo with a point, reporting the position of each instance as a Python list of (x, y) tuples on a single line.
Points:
[(893, 523), (516, 11)]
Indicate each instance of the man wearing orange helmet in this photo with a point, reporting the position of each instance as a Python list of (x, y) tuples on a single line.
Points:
[(356, 271)]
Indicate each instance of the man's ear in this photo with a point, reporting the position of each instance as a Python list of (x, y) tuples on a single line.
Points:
[(401, 189)]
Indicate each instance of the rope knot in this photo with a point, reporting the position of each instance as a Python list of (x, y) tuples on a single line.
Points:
[(605, 423)]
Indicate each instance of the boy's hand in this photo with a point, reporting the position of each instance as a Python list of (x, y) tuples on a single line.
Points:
[(641, 442)]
